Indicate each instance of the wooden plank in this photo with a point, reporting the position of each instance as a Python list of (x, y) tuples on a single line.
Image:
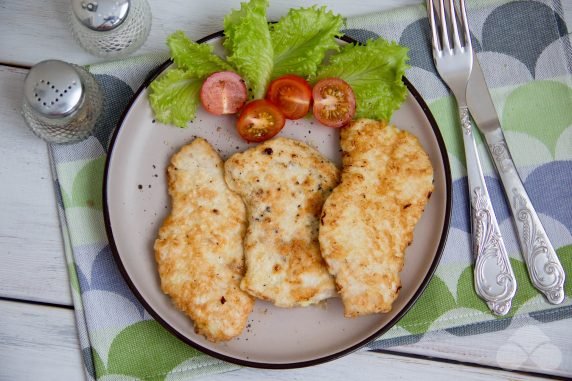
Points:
[(30, 242), (31, 250), (38, 343), (374, 366), (46, 33), (538, 348)]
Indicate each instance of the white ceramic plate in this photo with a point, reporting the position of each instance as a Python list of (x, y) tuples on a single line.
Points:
[(136, 202)]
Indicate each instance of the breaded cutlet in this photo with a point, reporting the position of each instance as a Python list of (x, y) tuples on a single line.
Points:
[(368, 220), (199, 247), (283, 183)]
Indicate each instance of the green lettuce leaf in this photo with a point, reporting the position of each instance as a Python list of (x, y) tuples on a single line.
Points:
[(374, 71), (297, 44), (174, 97), (197, 59), (249, 46), (301, 38)]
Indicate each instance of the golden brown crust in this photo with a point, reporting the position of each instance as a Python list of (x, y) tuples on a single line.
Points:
[(199, 247), (283, 183), (368, 220)]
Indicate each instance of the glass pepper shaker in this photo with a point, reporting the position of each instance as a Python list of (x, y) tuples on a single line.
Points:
[(110, 28), (62, 101)]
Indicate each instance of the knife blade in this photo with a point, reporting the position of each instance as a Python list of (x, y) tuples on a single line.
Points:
[(544, 268), (480, 102)]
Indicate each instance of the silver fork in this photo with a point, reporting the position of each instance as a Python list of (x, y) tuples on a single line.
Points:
[(494, 279)]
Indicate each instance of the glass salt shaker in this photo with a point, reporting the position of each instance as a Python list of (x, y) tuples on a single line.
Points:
[(110, 28), (62, 101)]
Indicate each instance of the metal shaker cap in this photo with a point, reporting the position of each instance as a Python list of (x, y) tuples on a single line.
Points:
[(101, 15), (53, 88)]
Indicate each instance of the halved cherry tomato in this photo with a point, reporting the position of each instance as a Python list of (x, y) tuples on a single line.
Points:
[(334, 102), (223, 92), (259, 121), (292, 94)]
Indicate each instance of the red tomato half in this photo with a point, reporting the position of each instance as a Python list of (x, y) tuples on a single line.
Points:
[(292, 94), (334, 102), (223, 92), (259, 121)]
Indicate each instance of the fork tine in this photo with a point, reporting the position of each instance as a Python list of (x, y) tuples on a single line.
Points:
[(453, 14), (467, 33), (432, 22), (444, 31)]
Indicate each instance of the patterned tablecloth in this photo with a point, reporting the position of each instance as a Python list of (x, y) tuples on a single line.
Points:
[(524, 49)]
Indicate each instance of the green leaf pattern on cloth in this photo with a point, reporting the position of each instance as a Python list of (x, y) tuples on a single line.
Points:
[(565, 255), (541, 109), (86, 191), (155, 342), (425, 307), (100, 368), (445, 112), (121, 339)]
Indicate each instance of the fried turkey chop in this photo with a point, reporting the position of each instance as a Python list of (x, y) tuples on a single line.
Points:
[(283, 183), (199, 247), (368, 220)]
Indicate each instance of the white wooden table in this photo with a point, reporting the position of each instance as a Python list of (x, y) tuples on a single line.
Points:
[(38, 338)]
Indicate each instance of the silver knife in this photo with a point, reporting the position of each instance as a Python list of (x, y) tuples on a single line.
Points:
[(544, 268)]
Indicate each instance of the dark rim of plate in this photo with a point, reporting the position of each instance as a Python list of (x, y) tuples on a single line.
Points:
[(300, 364)]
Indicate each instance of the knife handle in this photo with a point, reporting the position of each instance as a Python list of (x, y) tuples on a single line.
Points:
[(544, 268), (494, 279)]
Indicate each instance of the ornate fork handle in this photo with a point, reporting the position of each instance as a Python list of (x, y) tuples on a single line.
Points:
[(494, 279), (544, 268)]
